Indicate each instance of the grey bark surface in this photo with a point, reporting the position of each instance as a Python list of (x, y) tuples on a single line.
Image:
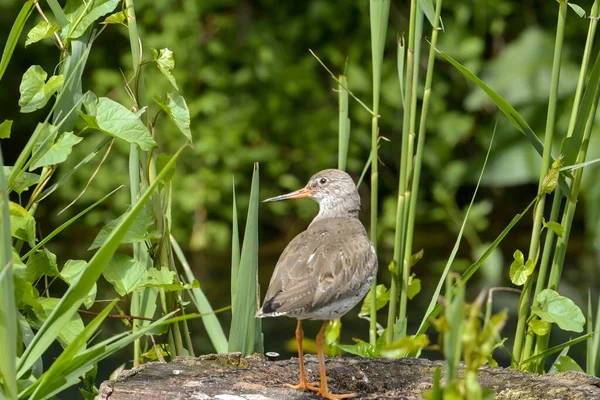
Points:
[(232, 377)]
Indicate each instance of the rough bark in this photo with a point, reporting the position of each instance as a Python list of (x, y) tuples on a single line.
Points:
[(231, 377)]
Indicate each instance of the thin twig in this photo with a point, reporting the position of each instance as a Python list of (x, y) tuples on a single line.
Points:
[(117, 316), (91, 178)]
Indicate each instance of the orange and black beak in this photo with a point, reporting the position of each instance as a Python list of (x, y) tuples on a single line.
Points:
[(298, 194)]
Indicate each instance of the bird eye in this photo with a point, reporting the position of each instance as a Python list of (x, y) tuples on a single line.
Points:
[(323, 181)]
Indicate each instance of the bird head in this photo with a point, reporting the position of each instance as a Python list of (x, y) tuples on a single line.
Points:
[(333, 189)]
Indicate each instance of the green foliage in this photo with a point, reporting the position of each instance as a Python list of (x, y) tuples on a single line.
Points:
[(35, 90), (554, 308), (43, 30)]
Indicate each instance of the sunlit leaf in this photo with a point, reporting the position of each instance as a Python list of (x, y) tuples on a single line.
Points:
[(362, 349), (539, 327), (43, 30), (23, 180), (406, 345), (142, 229), (22, 224), (41, 263), (519, 269), (5, 127), (58, 152), (177, 109), (83, 14), (566, 363), (414, 287), (73, 326), (116, 18), (554, 308), (382, 298), (579, 11), (124, 273), (165, 62), (35, 91), (556, 227), (71, 272)]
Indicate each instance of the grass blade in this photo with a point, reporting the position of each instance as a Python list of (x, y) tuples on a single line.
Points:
[(13, 36), (77, 292), (235, 248), (243, 324), (211, 323), (8, 315), (556, 349), (509, 111)]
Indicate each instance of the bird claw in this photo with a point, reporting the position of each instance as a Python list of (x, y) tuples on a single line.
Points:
[(331, 396), (305, 385)]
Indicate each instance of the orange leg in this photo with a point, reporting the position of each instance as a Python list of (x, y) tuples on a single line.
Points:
[(323, 392), (303, 384)]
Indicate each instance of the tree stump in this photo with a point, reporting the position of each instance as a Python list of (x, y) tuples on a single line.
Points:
[(232, 377)]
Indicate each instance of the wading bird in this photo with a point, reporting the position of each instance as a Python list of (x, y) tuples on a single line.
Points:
[(325, 270)]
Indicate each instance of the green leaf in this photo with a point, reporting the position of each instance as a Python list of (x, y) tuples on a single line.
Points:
[(76, 293), (13, 36), (116, 18), (243, 324), (539, 327), (22, 224), (47, 135), (362, 349), (165, 279), (556, 227), (415, 258), (23, 180), (382, 295), (41, 263), (177, 109), (414, 287), (142, 229), (165, 62), (519, 269), (58, 152), (579, 11), (68, 331), (82, 14), (71, 272), (5, 129), (406, 345), (35, 91), (566, 363), (43, 30), (333, 332), (554, 308), (124, 273), (115, 120)]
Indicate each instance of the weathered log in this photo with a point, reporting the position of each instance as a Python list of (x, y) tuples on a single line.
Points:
[(232, 377)]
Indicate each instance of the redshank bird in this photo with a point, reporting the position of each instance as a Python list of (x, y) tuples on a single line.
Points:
[(325, 270)]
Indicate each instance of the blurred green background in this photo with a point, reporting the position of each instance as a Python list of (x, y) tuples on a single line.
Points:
[(255, 93)]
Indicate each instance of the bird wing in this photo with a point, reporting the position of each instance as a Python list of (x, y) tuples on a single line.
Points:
[(331, 260)]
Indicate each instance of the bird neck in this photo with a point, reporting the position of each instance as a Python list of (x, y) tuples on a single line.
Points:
[(338, 209)]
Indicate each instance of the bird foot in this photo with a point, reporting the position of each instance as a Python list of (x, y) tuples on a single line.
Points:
[(331, 396), (305, 385)]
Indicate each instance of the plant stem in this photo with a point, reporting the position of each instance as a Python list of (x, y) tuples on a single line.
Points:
[(404, 156), (524, 300), (379, 13)]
